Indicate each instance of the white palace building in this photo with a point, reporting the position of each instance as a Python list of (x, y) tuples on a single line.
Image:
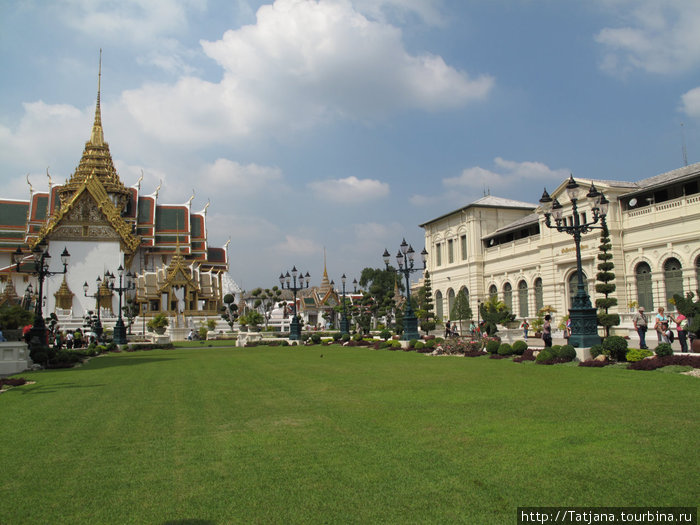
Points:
[(502, 247)]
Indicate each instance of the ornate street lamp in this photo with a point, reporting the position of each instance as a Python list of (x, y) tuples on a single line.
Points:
[(290, 283), (98, 324), (344, 322), (405, 259), (584, 323), (119, 328), (42, 261)]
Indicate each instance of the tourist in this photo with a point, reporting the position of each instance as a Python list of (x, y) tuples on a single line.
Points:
[(2, 337), (640, 325), (547, 331), (658, 325), (682, 328), (525, 326), (447, 329), (69, 340), (190, 336)]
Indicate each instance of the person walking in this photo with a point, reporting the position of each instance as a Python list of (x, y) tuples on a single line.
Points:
[(447, 329), (640, 325), (525, 326), (547, 331)]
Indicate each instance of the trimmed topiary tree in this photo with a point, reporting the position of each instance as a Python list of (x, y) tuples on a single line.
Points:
[(605, 285)]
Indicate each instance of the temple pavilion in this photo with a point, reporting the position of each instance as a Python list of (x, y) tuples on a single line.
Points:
[(104, 224)]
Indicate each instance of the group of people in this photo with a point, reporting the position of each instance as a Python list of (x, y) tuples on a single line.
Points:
[(662, 326)]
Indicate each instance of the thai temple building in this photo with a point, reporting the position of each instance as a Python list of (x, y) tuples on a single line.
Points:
[(103, 224)]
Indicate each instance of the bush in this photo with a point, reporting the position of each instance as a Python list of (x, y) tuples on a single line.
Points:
[(337, 336), (528, 355), (385, 334), (615, 347), (546, 356), (431, 344), (505, 349), (419, 346), (519, 347), (664, 349), (413, 342), (316, 339), (394, 344), (667, 360), (567, 352), (357, 337), (492, 346), (345, 338), (635, 354), (555, 349), (596, 350)]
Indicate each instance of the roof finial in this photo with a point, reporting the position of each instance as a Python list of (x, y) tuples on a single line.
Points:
[(31, 190), (97, 137)]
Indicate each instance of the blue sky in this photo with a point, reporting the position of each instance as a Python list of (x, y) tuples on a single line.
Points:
[(346, 123)]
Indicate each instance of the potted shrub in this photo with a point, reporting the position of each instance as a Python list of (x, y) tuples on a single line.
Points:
[(158, 324)]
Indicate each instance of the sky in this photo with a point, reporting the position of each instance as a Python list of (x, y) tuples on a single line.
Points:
[(340, 126)]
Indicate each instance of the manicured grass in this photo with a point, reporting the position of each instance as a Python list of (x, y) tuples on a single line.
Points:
[(339, 435)]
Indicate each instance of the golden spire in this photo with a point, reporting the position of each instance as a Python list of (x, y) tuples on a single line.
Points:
[(97, 159), (97, 138)]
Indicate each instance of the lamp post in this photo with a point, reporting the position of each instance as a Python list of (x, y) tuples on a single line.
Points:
[(42, 261), (119, 328), (344, 322), (98, 324), (405, 260), (290, 283), (584, 324)]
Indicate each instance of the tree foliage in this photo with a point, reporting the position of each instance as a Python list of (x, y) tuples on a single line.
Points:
[(229, 310), (426, 311), (380, 287), (461, 310), (605, 286), (494, 312), (265, 301)]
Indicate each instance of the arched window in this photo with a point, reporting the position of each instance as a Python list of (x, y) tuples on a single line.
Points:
[(450, 301), (539, 295), (493, 291), (522, 299), (508, 296), (573, 286), (645, 295), (438, 305), (673, 279), (466, 292)]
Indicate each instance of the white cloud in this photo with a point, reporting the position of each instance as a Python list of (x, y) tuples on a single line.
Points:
[(426, 10), (500, 180), (691, 103), (304, 62), (299, 246), (349, 190), (225, 175), (505, 175), (656, 37), (152, 27), (59, 130)]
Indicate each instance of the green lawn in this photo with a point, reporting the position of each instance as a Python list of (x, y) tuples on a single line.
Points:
[(339, 435)]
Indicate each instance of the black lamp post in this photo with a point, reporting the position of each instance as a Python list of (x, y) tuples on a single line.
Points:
[(405, 260), (42, 260), (584, 324), (290, 282), (344, 322), (98, 324), (119, 328)]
